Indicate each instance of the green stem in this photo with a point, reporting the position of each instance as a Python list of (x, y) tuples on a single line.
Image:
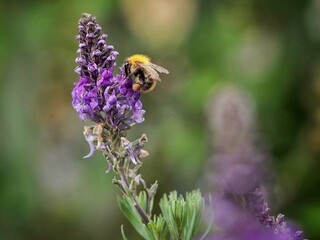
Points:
[(139, 209)]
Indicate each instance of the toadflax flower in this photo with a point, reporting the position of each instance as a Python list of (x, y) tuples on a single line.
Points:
[(277, 225), (99, 95), (239, 207)]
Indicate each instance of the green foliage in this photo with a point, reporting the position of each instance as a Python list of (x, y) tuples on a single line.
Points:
[(158, 227), (123, 235), (155, 229), (180, 217), (129, 210)]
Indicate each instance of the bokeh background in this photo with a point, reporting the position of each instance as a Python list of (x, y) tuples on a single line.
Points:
[(267, 49)]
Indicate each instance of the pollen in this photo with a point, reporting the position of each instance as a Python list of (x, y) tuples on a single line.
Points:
[(138, 58)]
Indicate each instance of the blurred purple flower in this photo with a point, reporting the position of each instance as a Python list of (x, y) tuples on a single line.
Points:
[(239, 207), (238, 164), (238, 171), (247, 217), (99, 95), (229, 218)]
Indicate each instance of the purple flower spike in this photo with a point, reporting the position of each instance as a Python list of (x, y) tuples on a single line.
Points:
[(100, 96), (277, 225), (240, 210)]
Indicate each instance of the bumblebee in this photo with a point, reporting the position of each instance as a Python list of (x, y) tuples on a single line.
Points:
[(142, 72)]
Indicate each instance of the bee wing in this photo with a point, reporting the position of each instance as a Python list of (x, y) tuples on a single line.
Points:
[(150, 71), (158, 68)]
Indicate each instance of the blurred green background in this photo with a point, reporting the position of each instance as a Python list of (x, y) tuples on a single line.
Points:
[(268, 48)]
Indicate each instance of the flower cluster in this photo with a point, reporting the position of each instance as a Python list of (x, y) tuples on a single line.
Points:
[(276, 225), (248, 218), (99, 95), (239, 207)]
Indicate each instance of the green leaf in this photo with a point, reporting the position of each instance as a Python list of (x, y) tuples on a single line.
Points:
[(133, 216), (168, 209), (195, 205), (142, 199), (122, 233), (158, 227), (182, 216)]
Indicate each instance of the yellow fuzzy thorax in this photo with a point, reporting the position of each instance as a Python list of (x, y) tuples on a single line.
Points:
[(138, 58)]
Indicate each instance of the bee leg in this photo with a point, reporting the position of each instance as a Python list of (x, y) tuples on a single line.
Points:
[(127, 69), (129, 75)]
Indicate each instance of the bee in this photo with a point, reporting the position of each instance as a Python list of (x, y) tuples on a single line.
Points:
[(142, 72)]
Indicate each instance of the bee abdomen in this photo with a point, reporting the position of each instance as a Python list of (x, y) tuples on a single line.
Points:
[(148, 85), (140, 74)]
